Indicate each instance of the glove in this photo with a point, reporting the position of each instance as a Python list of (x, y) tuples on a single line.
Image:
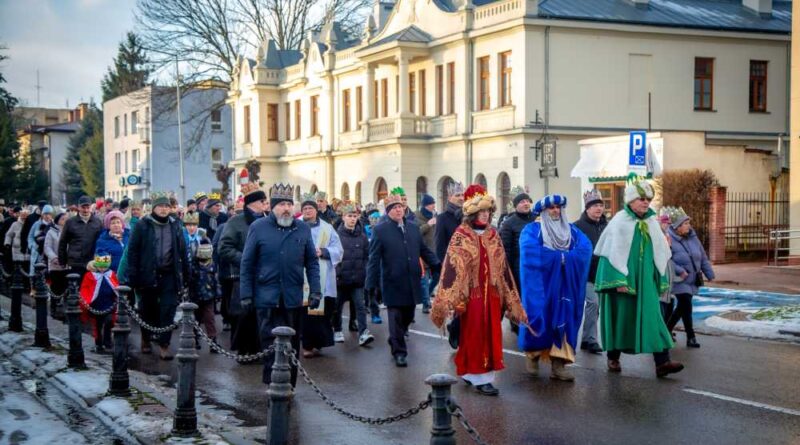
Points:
[(314, 299), (246, 305)]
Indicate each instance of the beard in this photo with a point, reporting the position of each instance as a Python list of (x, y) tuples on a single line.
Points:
[(284, 220)]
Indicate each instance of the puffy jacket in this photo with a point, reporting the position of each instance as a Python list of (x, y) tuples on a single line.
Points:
[(592, 230), (688, 256), (78, 239), (112, 246), (51, 248), (510, 230), (14, 240), (352, 271)]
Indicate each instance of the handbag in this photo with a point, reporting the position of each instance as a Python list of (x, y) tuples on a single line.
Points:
[(454, 332), (698, 276)]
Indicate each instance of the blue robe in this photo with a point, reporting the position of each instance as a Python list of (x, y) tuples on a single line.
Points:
[(553, 287)]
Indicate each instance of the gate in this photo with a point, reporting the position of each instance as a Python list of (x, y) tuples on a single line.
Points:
[(749, 218)]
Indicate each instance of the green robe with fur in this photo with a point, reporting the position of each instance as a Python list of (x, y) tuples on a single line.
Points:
[(631, 321)]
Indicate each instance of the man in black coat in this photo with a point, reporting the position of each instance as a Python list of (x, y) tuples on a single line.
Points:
[(592, 223), (78, 238), (211, 217), (448, 221), (244, 327), (511, 229), (29, 222), (394, 253), (351, 274), (324, 211), (157, 269)]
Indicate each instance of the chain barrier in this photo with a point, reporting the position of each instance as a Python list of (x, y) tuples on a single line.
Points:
[(368, 420), (143, 324), (94, 311), (458, 413), (241, 358)]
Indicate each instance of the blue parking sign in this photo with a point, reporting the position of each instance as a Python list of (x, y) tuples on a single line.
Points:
[(637, 150)]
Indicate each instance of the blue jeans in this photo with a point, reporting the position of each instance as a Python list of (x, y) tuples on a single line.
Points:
[(425, 282), (356, 295)]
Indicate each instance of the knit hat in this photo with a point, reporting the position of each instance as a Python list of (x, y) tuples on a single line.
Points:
[(124, 204), (591, 198), (111, 215), (205, 250), (519, 193), (455, 188), (677, 216), (279, 193), (159, 199), (426, 200), (310, 199), (391, 201), (191, 218), (48, 209), (252, 193), (638, 187), (476, 198), (549, 201), (190, 202)]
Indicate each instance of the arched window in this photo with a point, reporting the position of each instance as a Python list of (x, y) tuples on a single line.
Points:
[(314, 188), (444, 183), (422, 188), (503, 192), (345, 192), (381, 190), (358, 192), (481, 179)]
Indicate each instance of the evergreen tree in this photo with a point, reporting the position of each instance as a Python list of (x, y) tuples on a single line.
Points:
[(72, 179), (91, 166), (32, 182), (130, 71), (8, 140)]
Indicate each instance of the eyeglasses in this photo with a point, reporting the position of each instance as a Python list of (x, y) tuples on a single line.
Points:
[(645, 199)]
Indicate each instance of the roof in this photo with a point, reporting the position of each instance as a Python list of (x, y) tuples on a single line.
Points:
[(65, 127), (727, 15), (410, 34)]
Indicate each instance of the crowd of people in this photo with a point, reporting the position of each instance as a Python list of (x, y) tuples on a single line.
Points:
[(268, 261)]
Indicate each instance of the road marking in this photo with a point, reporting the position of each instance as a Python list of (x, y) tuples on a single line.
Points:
[(779, 409), (428, 334)]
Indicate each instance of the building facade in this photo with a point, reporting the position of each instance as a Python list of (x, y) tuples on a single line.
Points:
[(441, 90), (142, 145)]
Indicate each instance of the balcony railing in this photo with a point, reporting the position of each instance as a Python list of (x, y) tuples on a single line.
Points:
[(348, 139), (396, 127), (444, 126), (498, 119)]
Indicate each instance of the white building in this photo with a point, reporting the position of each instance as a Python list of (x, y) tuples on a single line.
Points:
[(142, 146), (442, 90)]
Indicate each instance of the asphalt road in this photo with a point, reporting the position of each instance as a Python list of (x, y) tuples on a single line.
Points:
[(733, 391)]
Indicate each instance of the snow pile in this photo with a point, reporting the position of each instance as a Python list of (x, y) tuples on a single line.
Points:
[(771, 323)]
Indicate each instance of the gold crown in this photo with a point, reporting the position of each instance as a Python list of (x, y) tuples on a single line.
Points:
[(200, 195), (249, 188), (215, 196), (390, 200)]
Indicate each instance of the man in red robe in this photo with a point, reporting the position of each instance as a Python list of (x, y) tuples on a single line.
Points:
[(476, 283)]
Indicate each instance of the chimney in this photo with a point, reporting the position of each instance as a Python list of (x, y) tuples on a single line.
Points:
[(760, 7)]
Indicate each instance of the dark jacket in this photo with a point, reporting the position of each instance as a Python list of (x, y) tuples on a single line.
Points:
[(426, 230), (689, 256), (108, 244), (78, 239), (394, 265), (26, 230), (273, 263), (352, 270), (446, 224), (329, 216), (142, 252), (510, 230), (210, 224), (592, 230), (223, 268), (231, 243)]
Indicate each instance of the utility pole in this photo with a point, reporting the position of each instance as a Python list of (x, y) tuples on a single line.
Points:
[(180, 129), (38, 88)]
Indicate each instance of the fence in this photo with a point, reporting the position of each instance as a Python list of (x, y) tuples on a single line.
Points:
[(442, 404), (749, 219)]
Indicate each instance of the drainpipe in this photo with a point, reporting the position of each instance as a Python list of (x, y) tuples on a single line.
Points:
[(546, 94), (470, 107)]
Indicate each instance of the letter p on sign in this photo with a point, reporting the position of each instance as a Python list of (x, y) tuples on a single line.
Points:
[(637, 151)]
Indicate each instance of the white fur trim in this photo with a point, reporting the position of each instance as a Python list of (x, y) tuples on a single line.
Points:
[(615, 242)]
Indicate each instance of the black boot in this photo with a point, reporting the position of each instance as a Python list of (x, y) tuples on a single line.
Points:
[(692, 343)]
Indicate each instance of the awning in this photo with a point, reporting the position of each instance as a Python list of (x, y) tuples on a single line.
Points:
[(610, 159)]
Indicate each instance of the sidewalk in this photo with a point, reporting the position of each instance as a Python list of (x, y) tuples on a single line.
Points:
[(757, 276)]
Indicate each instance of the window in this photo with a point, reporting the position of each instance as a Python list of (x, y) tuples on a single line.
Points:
[(125, 124), (396, 93), (483, 83), (359, 107), (451, 88), (247, 124), (135, 160), (287, 121), (346, 110), (439, 90), (216, 158), (117, 163), (134, 122), (613, 196), (116, 127), (297, 113), (703, 83), (216, 120), (384, 97), (272, 122), (375, 93), (505, 78), (758, 85), (422, 94), (314, 115), (125, 154), (412, 90)]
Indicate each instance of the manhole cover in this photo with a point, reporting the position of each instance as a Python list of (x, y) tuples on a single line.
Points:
[(734, 315)]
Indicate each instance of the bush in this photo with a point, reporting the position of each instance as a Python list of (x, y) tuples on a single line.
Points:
[(691, 190)]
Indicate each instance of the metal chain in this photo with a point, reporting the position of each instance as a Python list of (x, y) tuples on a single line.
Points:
[(241, 358), (94, 311), (455, 410), (368, 420), (135, 317)]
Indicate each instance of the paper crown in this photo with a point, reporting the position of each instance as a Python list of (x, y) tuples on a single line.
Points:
[(591, 197), (391, 200), (160, 198), (249, 188), (347, 207), (309, 197), (191, 218), (517, 190), (282, 191), (199, 196), (455, 188), (676, 215), (319, 196), (399, 191), (214, 196), (638, 187)]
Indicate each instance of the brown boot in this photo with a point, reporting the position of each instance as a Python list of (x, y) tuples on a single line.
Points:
[(165, 354), (667, 368), (614, 366), (560, 372)]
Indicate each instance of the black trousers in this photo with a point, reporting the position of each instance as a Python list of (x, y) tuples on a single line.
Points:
[(683, 312), (226, 286), (269, 319), (659, 357), (157, 308), (400, 317), (666, 310)]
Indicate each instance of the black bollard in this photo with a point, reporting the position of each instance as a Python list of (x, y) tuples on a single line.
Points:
[(75, 355), (185, 422), (442, 432), (119, 384), (41, 336), (280, 388), (17, 287)]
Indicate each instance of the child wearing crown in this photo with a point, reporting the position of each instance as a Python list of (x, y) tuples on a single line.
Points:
[(204, 288), (99, 292)]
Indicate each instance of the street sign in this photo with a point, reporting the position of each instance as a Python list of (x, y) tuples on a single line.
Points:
[(134, 180), (549, 154), (637, 149)]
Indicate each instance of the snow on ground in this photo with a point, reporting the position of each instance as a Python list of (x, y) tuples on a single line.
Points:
[(756, 328), (89, 384)]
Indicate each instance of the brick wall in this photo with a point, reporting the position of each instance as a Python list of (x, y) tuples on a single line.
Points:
[(716, 225)]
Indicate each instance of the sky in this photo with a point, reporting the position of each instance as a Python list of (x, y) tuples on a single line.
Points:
[(70, 42)]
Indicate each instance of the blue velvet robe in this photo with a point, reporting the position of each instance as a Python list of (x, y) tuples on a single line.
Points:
[(553, 288)]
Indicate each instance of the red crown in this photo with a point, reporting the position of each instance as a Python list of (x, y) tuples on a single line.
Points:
[(474, 190)]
